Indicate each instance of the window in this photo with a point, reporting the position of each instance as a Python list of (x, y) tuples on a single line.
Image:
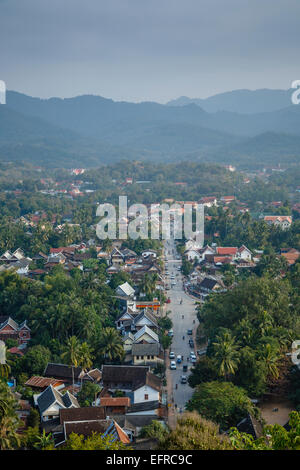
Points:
[(146, 396)]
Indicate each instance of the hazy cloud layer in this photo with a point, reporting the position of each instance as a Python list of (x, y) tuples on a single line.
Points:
[(148, 49)]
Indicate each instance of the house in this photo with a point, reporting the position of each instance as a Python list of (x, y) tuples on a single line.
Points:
[(244, 253), (209, 201), (67, 373), (282, 221), (136, 381), (50, 401), (149, 252), (250, 425), (147, 354), (135, 321), (125, 290), (209, 285), (11, 329), (146, 335), (63, 372), (227, 251), (115, 405), (116, 257), (9, 257), (291, 255), (227, 199), (84, 421), (41, 383)]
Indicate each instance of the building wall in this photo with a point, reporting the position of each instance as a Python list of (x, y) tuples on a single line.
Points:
[(139, 394)]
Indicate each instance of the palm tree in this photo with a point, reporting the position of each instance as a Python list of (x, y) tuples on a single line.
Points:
[(9, 421), (86, 357), (270, 357), (4, 370), (226, 354), (71, 353), (44, 442), (110, 344)]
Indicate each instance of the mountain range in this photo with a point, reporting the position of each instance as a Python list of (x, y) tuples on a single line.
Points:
[(236, 127)]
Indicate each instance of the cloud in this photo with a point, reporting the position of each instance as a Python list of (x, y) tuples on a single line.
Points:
[(141, 49)]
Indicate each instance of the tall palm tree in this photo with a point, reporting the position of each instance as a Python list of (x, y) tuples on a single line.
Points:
[(86, 357), (110, 344), (270, 356), (71, 353), (9, 421), (226, 354)]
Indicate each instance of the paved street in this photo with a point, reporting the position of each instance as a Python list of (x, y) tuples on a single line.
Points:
[(180, 327)]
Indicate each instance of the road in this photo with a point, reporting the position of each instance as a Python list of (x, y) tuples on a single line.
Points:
[(180, 326)]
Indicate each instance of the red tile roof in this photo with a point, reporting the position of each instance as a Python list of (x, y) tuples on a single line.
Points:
[(115, 401), (226, 250)]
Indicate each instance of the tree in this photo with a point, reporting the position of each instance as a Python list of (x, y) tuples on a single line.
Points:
[(275, 437), (36, 359), (110, 345), (71, 353), (33, 419), (93, 442), (194, 432), (221, 402), (226, 354), (9, 421), (156, 429), (88, 393), (204, 371)]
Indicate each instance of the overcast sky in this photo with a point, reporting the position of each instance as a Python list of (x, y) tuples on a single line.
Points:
[(148, 49)]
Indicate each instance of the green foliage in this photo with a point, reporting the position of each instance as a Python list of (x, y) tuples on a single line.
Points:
[(35, 360), (156, 429), (221, 402), (9, 421), (94, 442), (88, 393), (275, 437), (194, 432)]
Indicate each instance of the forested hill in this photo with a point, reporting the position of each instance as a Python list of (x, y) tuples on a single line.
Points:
[(91, 130)]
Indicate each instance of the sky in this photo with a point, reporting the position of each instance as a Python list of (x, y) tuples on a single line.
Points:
[(148, 50)]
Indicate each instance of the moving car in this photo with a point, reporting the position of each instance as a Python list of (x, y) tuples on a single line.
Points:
[(172, 355), (183, 379), (185, 368), (191, 343), (173, 365), (189, 332), (178, 359)]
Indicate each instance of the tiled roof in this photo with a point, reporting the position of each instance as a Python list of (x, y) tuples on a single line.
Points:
[(62, 371), (82, 414), (226, 250), (42, 382), (115, 401)]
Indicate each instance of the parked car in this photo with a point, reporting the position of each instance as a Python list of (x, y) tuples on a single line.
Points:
[(178, 359), (173, 365), (189, 332), (183, 379), (191, 343), (193, 359), (168, 301), (185, 368), (170, 332), (172, 355)]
